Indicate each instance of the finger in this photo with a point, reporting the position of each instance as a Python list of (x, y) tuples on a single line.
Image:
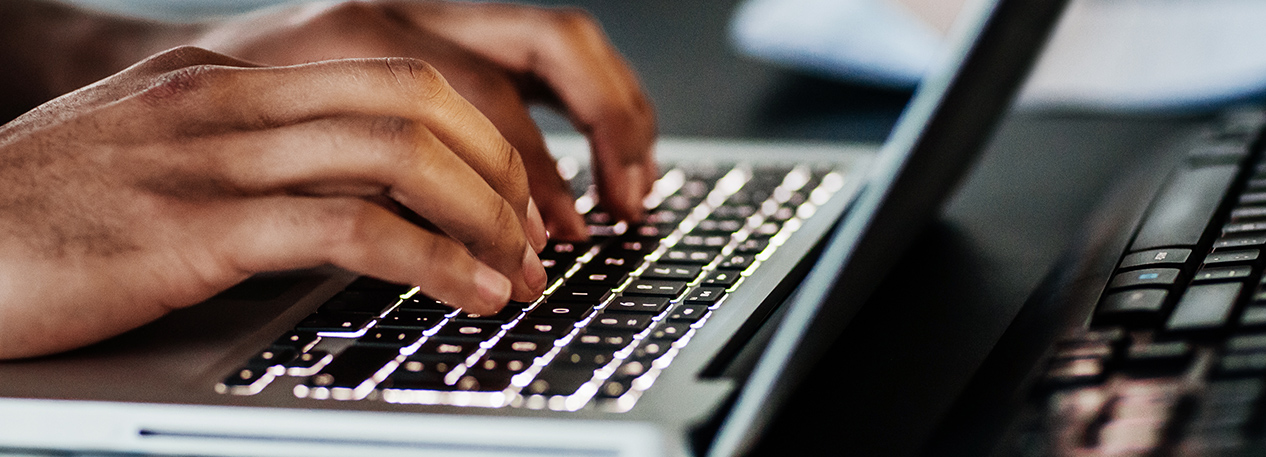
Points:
[(366, 157), (216, 97), (551, 193), (598, 90), (283, 232)]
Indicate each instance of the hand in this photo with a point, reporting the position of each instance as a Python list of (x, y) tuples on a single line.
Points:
[(501, 58), (162, 185)]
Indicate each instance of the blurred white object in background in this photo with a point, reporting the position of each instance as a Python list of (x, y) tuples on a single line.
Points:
[(1115, 55), (176, 9)]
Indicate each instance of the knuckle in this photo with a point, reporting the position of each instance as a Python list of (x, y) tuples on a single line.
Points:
[(575, 21), (417, 77), (346, 224), (179, 57), (184, 82)]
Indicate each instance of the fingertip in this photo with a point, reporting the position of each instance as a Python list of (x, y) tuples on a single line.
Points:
[(494, 288)]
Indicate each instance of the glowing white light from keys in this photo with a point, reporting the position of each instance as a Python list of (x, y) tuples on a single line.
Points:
[(568, 167), (796, 179), (664, 187), (832, 182)]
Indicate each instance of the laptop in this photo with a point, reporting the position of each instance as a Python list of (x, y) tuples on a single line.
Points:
[(677, 337)]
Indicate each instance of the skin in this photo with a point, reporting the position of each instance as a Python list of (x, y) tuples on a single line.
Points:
[(294, 138)]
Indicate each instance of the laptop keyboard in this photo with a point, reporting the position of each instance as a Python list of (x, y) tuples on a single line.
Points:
[(1174, 358), (619, 307)]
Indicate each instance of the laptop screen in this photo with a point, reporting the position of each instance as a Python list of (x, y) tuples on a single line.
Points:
[(951, 116)]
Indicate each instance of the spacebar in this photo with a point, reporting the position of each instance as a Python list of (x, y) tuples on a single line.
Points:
[(1184, 207)]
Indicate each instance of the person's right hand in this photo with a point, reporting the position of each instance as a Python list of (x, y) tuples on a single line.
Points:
[(164, 184)]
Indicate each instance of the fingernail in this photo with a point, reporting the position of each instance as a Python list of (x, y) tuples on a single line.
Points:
[(533, 271), (493, 287), (537, 235)]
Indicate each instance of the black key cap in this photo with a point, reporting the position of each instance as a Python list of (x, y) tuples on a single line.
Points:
[(1247, 255), (484, 381), (366, 283), (722, 278), (423, 374), (246, 380), (672, 272), (752, 246), (468, 330), (610, 320), (736, 262), (507, 363), (273, 356), (543, 328), (1145, 277), (386, 336), (420, 302), (598, 276), (451, 350), (1181, 211), (1222, 273), (670, 331), (421, 320), (1132, 307), (373, 302), (306, 364), (511, 345), (655, 287), (634, 304), (559, 381), (353, 366), (299, 341), (1073, 373), (573, 311), (689, 256), (1253, 317), (687, 313), (1232, 242), (704, 241), (706, 296), (603, 338), (1204, 307), (1156, 257), (717, 227), (1158, 358), (589, 358), (334, 322), (510, 312), (592, 295)]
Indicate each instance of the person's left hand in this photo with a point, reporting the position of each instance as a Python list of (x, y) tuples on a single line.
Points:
[(499, 57)]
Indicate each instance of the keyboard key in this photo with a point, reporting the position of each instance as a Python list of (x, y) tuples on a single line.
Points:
[(468, 330), (1132, 307), (1156, 257), (1150, 276), (1158, 358), (508, 363), (1247, 255), (607, 338), (366, 301), (422, 320), (670, 331), (1184, 207), (592, 295), (635, 304), (706, 296), (272, 357), (334, 322), (543, 328), (736, 262), (687, 313), (598, 276), (516, 345), (722, 278), (1204, 307), (610, 320), (671, 272), (450, 350), (420, 302), (655, 287), (385, 336), (1222, 273), (589, 358), (689, 256), (573, 311), (308, 363), (559, 381), (299, 341), (1074, 373), (1253, 317), (354, 366)]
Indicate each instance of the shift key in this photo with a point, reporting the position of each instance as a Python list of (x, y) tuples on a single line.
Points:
[(1204, 307), (1183, 208)]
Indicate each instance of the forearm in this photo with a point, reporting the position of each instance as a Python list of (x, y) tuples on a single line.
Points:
[(49, 49)]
